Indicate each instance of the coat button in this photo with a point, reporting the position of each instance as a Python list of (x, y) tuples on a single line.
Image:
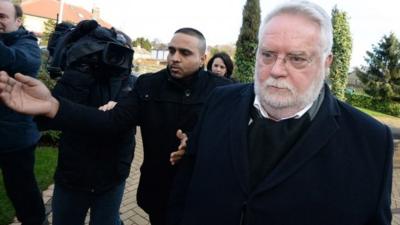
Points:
[(187, 93)]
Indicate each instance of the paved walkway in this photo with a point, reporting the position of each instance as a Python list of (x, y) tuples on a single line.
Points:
[(396, 185), (131, 214)]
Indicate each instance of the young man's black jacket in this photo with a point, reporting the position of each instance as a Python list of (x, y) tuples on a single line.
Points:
[(86, 161), (160, 105)]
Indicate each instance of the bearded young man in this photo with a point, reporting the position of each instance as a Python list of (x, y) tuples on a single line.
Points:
[(288, 152)]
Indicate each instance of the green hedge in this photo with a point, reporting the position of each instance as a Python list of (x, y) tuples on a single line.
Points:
[(51, 137), (368, 102)]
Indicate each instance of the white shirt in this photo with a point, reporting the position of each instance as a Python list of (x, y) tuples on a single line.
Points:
[(264, 114)]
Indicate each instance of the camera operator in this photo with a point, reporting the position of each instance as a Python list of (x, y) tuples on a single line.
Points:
[(92, 169), (19, 52)]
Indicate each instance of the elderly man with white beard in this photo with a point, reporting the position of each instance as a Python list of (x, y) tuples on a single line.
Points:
[(288, 152)]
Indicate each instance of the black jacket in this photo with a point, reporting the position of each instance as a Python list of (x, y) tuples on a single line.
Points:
[(166, 105), (19, 52), (87, 162), (338, 172), (160, 105)]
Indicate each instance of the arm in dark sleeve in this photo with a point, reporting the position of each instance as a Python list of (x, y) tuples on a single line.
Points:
[(23, 57), (80, 118), (73, 86), (383, 214), (76, 117)]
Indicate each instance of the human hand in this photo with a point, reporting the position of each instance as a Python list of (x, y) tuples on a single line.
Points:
[(177, 155), (27, 95), (110, 105)]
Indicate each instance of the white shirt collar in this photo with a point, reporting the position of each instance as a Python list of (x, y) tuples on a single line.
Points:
[(264, 114)]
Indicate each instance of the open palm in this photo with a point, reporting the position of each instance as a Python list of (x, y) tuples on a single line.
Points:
[(25, 94)]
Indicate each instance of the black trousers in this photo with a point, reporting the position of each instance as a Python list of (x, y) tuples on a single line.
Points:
[(21, 186)]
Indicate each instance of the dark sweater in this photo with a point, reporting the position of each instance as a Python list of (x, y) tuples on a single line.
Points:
[(270, 141)]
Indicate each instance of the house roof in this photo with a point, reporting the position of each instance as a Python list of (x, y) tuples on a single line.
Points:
[(50, 8)]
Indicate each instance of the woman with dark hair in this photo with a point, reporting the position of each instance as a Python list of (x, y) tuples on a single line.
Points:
[(221, 64)]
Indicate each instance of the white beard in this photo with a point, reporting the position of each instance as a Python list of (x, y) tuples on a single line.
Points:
[(289, 99)]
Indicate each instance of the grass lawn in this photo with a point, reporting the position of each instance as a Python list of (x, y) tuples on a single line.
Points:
[(386, 119), (372, 113), (46, 161)]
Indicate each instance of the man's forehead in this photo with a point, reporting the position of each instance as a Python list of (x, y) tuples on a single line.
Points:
[(184, 39), (294, 39), (6, 8)]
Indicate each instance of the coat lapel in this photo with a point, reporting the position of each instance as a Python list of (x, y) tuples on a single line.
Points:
[(322, 128), (238, 127)]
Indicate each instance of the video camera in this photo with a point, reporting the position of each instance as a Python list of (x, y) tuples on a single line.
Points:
[(88, 46)]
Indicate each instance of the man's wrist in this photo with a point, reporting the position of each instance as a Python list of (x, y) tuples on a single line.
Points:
[(54, 106)]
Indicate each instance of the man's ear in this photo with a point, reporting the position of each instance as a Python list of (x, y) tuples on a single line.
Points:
[(203, 60), (19, 21), (329, 60)]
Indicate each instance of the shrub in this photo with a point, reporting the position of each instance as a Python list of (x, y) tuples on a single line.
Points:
[(50, 137), (368, 102)]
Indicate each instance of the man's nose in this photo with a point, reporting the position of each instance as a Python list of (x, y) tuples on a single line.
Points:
[(279, 68), (175, 57)]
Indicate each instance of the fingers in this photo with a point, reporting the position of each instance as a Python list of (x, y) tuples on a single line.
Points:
[(110, 105), (176, 156), (3, 76), (183, 138), (179, 133), (6, 82), (30, 81), (4, 94)]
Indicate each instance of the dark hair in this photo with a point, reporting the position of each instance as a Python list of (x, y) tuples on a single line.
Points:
[(197, 34), (227, 61), (18, 11)]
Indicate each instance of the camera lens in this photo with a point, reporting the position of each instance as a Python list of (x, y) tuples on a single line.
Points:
[(115, 58)]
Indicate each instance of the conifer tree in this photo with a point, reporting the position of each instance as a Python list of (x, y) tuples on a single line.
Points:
[(49, 26), (143, 43), (246, 44), (341, 49), (381, 76)]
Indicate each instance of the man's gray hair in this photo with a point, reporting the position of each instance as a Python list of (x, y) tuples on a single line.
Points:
[(310, 10)]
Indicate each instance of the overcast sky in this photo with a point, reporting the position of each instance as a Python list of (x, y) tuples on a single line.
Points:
[(220, 20)]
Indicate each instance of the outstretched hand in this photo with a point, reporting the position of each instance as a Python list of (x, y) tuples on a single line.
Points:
[(27, 95), (177, 155)]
